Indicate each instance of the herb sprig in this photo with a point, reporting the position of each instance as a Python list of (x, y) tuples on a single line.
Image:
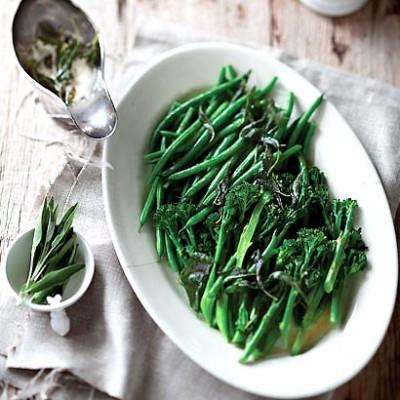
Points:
[(54, 254)]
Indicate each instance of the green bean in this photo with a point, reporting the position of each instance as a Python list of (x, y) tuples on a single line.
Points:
[(199, 217), (237, 147), (249, 173), (197, 126), (186, 120), (267, 88), (169, 151), (193, 151), (210, 194), (225, 142), (186, 187), (222, 76), (205, 137), (199, 149), (235, 107), (177, 143), (223, 145), (201, 183), (160, 240), (237, 104), (234, 126), (251, 157), (168, 134), (221, 108), (154, 155), (184, 136), (307, 139), (279, 159), (174, 106), (194, 101), (231, 72), (189, 187), (303, 120), (172, 261), (288, 131), (282, 125), (208, 198), (149, 203)]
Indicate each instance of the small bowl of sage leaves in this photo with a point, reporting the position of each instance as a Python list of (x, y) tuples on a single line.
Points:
[(50, 261)]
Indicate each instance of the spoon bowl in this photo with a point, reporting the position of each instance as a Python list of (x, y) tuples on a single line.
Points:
[(93, 114)]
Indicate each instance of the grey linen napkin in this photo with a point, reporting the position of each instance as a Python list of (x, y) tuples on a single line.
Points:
[(114, 348)]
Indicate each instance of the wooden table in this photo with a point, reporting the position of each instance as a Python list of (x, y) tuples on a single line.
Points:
[(31, 145)]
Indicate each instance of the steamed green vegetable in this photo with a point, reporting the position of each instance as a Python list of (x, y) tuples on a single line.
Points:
[(54, 254), (246, 221)]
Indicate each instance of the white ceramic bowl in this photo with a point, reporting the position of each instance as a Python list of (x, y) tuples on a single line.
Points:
[(336, 150), (17, 266)]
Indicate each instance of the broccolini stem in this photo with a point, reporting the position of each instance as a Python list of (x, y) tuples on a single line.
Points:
[(266, 348), (246, 237), (341, 245), (266, 321), (336, 315), (207, 301), (223, 316), (286, 323), (214, 285), (308, 320), (239, 336)]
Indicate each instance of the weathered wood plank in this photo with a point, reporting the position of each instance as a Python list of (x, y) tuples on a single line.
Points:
[(365, 42)]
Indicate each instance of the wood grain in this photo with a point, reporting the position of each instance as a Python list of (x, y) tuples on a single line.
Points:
[(31, 145), (366, 42)]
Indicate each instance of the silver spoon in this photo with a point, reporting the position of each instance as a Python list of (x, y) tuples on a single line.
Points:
[(94, 113)]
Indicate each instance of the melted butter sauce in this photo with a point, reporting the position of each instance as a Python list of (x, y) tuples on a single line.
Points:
[(321, 327), (311, 337)]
